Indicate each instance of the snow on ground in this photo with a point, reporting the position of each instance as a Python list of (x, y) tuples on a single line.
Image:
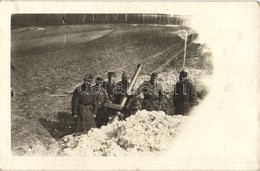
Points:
[(145, 133)]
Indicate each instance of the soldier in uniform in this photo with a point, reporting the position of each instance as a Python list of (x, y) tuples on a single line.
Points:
[(109, 85), (120, 91), (100, 96), (82, 106), (185, 96), (121, 88), (153, 93)]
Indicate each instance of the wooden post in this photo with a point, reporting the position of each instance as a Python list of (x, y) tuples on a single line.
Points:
[(185, 47)]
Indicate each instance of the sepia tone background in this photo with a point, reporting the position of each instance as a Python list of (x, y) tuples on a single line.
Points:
[(222, 133)]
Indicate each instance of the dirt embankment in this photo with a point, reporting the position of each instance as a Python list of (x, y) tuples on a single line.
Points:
[(44, 71)]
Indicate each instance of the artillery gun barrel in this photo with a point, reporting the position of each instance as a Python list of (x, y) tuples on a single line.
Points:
[(128, 91), (132, 83)]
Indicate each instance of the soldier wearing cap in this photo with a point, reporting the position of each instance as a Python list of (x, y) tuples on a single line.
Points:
[(184, 96), (82, 104), (153, 93), (100, 96), (121, 88), (120, 91), (109, 85)]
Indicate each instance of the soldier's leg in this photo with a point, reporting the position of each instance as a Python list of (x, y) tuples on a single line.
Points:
[(100, 117), (103, 117), (78, 123), (106, 117), (179, 110), (145, 105), (153, 106), (156, 106), (89, 119), (82, 112), (182, 108), (186, 109)]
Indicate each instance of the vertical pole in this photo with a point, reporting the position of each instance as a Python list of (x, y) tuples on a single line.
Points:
[(126, 17), (116, 17), (185, 47)]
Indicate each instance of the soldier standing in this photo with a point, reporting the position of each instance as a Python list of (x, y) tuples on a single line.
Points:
[(82, 106), (109, 86), (185, 96), (153, 93), (100, 96), (121, 88)]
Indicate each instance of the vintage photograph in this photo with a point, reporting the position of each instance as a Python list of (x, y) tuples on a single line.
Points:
[(129, 85), (103, 84)]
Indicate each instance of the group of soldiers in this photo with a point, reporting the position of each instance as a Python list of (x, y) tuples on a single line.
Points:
[(88, 101)]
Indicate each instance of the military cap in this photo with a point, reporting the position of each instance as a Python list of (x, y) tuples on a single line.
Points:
[(111, 74), (88, 76), (183, 74), (125, 75), (99, 79), (154, 75)]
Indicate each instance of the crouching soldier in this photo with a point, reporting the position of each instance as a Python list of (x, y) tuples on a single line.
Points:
[(153, 93), (83, 105), (185, 96), (100, 96)]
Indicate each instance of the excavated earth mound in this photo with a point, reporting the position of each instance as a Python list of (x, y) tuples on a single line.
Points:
[(145, 133)]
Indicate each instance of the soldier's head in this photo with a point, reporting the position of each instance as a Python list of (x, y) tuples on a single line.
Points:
[(125, 76), (88, 79), (99, 81), (154, 77), (111, 76), (183, 75)]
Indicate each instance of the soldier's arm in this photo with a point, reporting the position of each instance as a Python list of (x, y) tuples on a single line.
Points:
[(104, 85), (106, 95), (161, 94), (117, 89), (139, 90), (174, 95), (193, 96), (95, 105), (74, 102)]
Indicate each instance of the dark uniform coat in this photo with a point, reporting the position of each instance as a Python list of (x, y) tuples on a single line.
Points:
[(100, 96), (83, 106), (109, 87), (153, 95), (184, 97)]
